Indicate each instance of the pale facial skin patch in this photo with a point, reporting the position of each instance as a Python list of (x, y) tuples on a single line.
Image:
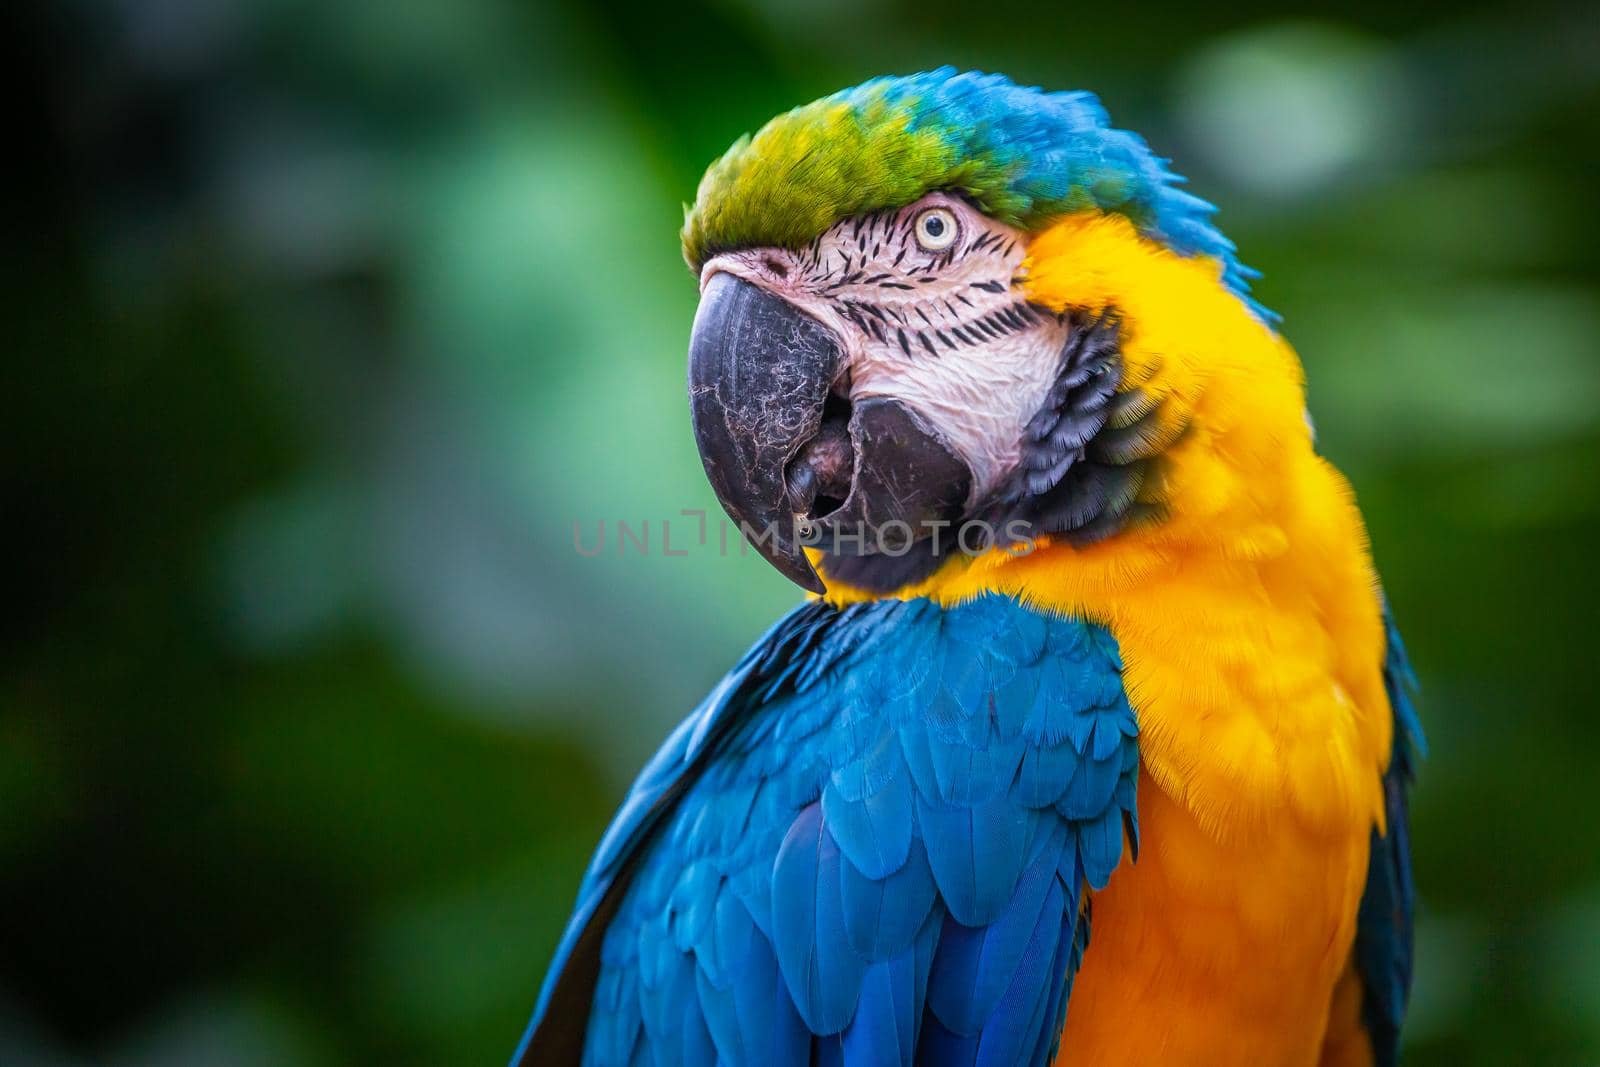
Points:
[(927, 302)]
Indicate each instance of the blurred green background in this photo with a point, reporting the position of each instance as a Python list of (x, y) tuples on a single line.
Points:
[(330, 320)]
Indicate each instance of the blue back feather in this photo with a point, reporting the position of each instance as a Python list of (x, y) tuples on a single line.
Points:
[(1384, 925)]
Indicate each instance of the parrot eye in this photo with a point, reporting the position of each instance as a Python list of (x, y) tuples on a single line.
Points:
[(935, 229)]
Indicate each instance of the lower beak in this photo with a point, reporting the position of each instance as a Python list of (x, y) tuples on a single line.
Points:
[(759, 375)]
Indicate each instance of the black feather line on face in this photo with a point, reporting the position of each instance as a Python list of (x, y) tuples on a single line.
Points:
[(1089, 455)]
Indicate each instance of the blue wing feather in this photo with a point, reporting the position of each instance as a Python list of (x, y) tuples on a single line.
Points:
[(869, 846), (884, 1030), (882, 916), (1384, 924), (823, 972), (1034, 981), (978, 963), (874, 830)]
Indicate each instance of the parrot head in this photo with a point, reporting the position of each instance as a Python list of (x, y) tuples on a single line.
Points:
[(937, 319)]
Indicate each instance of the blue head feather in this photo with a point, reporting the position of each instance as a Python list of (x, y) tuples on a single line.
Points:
[(1022, 155)]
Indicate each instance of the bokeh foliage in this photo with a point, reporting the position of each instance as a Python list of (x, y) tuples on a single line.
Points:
[(330, 320)]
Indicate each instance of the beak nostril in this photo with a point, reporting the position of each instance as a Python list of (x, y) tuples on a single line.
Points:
[(836, 408)]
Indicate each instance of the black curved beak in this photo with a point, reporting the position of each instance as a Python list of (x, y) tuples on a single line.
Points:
[(759, 375)]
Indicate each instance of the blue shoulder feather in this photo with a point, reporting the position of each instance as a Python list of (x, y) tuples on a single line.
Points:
[(870, 845), (1384, 926)]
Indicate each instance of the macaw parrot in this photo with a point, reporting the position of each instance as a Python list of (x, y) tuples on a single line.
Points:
[(1092, 744)]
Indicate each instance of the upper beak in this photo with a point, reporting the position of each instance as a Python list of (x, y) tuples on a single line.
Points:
[(759, 375)]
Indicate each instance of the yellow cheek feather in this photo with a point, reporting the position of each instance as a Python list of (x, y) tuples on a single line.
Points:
[(1249, 623)]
